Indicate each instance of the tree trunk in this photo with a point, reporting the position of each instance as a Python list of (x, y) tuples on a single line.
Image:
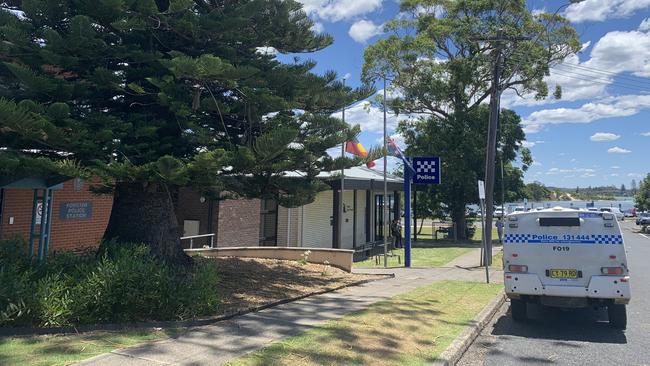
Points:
[(458, 217), (144, 213)]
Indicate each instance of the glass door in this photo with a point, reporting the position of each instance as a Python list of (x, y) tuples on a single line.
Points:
[(379, 214)]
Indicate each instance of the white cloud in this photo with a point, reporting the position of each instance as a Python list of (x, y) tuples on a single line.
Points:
[(363, 30), (536, 163), (635, 175), (573, 88), (337, 10), (538, 11), (645, 25), (18, 13), (584, 171), (614, 174), (529, 144), (647, 134), (604, 136), (318, 27), (620, 51), (620, 106), (268, 51), (618, 150), (599, 10), (615, 167), (615, 53), (369, 117)]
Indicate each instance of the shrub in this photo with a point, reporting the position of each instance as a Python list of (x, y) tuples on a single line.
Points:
[(121, 283)]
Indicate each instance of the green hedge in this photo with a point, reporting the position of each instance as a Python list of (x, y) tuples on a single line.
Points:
[(120, 283)]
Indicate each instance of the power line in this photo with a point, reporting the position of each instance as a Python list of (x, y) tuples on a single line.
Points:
[(573, 76), (636, 79), (611, 73), (597, 79)]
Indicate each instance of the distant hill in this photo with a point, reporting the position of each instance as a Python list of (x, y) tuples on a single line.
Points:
[(592, 193)]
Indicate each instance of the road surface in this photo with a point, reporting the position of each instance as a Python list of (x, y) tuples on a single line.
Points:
[(578, 337)]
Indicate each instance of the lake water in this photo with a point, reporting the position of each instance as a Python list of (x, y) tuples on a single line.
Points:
[(624, 203)]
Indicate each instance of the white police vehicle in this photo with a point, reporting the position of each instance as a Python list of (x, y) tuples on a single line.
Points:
[(566, 258)]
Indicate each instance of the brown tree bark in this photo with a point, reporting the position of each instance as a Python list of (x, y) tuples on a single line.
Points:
[(460, 222), (144, 213)]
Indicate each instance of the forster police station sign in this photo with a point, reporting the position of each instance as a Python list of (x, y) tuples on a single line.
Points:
[(76, 210), (427, 170)]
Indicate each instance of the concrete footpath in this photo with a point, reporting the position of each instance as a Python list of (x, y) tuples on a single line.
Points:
[(222, 341)]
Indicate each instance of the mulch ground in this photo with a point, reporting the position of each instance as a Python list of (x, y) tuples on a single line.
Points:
[(250, 282)]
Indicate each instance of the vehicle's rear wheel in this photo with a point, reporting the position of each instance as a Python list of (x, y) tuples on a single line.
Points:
[(617, 316), (518, 310)]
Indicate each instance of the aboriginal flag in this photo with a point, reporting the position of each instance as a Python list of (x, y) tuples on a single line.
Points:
[(355, 148)]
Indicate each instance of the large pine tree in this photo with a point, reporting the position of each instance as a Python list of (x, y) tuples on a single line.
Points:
[(153, 95)]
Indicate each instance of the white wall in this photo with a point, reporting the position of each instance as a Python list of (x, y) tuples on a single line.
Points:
[(317, 231)]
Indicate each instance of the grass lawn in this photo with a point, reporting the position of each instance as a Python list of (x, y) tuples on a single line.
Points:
[(425, 233), (497, 259), (66, 349), (420, 257), (410, 329)]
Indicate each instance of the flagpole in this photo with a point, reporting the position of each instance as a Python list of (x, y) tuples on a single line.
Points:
[(340, 218), (385, 200)]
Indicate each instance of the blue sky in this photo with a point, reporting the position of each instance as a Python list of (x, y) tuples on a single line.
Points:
[(598, 134)]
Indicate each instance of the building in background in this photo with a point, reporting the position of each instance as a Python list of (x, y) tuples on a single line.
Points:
[(78, 218), (255, 222), (74, 220)]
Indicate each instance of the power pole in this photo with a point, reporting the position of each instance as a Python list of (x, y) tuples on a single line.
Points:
[(339, 222), (495, 104), (385, 227)]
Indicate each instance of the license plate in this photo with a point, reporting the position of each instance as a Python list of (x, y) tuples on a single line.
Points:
[(564, 273)]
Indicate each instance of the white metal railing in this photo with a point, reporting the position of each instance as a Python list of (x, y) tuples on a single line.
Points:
[(192, 237)]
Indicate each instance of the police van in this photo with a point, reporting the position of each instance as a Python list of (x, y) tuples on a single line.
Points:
[(566, 258)]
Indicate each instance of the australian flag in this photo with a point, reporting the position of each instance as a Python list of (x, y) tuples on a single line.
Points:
[(394, 150)]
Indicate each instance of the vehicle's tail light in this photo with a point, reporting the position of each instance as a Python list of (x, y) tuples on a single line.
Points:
[(517, 268), (612, 271)]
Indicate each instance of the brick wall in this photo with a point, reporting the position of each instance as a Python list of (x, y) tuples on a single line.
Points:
[(188, 206), (239, 223), (66, 235)]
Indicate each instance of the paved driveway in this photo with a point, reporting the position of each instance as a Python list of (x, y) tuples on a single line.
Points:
[(580, 337)]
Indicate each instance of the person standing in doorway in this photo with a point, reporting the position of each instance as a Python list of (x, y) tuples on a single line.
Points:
[(499, 225), (396, 233)]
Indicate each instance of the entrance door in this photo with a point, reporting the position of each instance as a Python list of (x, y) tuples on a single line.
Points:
[(379, 214), (269, 223)]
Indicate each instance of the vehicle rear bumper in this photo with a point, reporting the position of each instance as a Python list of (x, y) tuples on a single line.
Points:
[(600, 287)]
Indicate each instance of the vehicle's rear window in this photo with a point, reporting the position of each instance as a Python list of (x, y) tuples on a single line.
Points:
[(559, 221)]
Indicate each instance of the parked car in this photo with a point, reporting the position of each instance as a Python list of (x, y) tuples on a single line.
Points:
[(519, 209), (498, 213), (643, 219), (619, 215), (630, 213)]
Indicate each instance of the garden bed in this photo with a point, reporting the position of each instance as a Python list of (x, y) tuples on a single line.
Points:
[(250, 282)]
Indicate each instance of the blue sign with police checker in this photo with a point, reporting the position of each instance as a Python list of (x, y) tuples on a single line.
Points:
[(427, 170)]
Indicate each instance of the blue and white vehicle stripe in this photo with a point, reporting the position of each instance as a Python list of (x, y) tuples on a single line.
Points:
[(562, 239)]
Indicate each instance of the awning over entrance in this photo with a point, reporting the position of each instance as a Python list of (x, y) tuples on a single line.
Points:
[(41, 207)]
